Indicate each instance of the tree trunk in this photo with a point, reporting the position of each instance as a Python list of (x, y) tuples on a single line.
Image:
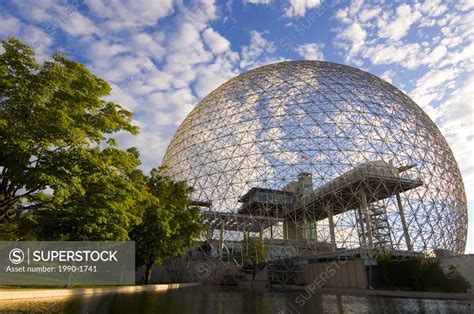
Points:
[(148, 273)]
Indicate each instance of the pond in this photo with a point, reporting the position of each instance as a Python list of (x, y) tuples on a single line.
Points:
[(207, 299)]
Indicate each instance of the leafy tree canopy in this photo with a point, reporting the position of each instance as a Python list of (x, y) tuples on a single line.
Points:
[(60, 166), (56, 153), (169, 224)]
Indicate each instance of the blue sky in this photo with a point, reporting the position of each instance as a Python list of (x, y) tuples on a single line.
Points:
[(162, 57)]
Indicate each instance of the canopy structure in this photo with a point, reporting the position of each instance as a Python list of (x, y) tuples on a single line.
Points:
[(237, 222)]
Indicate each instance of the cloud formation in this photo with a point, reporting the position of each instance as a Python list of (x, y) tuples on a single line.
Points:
[(311, 51)]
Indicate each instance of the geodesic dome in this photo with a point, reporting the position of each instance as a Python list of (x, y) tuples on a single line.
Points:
[(322, 124)]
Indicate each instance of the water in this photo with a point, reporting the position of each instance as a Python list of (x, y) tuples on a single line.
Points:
[(233, 300)]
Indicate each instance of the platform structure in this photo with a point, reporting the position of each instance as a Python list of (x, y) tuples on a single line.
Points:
[(360, 191), (299, 220)]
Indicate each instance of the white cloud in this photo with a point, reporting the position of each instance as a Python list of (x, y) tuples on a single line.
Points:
[(343, 16), (465, 5), (38, 11), (40, 41), (257, 52), (258, 1), (31, 35), (435, 55), (311, 51), (198, 12), (348, 15), (368, 14), (176, 102), (456, 121), (160, 75), (433, 8), (215, 74), (9, 25), (463, 55), (103, 50), (398, 28), (355, 7), (388, 75), (354, 37), (431, 87), (55, 15), (215, 41), (383, 42), (299, 7), (406, 55), (78, 25), (149, 44), (184, 52), (122, 14), (123, 67)]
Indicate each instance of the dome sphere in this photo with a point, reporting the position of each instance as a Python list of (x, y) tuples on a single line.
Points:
[(269, 125)]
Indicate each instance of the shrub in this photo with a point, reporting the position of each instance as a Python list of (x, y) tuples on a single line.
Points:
[(419, 275)]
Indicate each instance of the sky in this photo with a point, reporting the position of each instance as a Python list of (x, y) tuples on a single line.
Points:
[(163, 56)]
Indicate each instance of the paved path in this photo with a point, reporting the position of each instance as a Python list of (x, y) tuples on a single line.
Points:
[(15, 294), (386, 293)]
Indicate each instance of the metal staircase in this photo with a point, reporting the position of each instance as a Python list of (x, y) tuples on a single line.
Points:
[(380, 226)]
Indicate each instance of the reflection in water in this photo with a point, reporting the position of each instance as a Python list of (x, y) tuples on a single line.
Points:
[(233, 300)]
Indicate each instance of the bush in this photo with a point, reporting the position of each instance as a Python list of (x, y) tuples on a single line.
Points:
[(419, 275), (399, 274), (433, 278)]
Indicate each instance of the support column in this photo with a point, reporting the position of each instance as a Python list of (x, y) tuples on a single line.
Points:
[(404, 223), (315, 224), (210, 234), (221, 239), (331, 229), (305, 228), (368, 224), (363, 243)]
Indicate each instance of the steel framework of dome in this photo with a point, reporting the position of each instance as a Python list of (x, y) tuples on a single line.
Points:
[(315, 157)]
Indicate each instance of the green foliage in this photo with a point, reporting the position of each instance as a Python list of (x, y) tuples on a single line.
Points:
[(419, 275), (254, 255), (433, 278), (54, 128), (399, 273), (106, 210), (169, 224), (62, 176)]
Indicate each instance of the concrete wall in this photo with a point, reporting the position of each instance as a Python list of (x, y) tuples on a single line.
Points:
[(336, 274), (158, 275), (207, 272), (463, 263)]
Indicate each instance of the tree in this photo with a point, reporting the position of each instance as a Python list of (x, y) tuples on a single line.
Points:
[(106, 210), (169, 224), (254, 255), (61, 173), (57, 159)]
